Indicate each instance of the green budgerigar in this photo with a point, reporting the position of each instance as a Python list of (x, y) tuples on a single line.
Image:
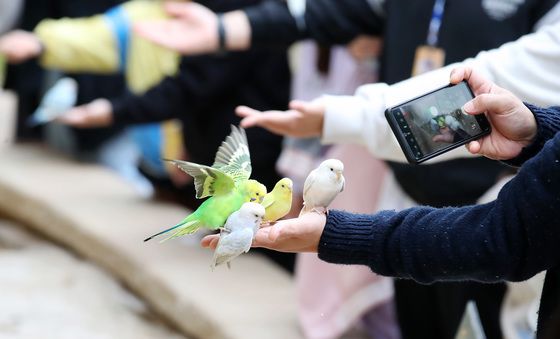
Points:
[(226, 182), (278, 202)]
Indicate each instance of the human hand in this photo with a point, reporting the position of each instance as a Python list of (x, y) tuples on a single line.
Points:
[(365, 47), (98, 113), (291, 235), (513, 124), (193, 29), (19, 46), (303, 120), (445, 135)]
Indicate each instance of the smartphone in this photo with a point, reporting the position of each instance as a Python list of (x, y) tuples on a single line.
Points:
[(435, 123)]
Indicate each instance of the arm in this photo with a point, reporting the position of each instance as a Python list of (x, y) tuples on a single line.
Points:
[(199, 84), (512, 238), (527, 67), (194, 28), (326, 21), (77, 45)]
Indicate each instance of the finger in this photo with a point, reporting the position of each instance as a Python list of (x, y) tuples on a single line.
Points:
[(261, 238), (299, 105), (244, 111), (273, 121), (457, 75), (176, 9), (210, 241), (73, 117), (306, 106), (477, 82), (491, 103), (159, 32), (473, 147)]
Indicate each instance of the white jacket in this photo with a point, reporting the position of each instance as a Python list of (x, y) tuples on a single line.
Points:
[(529, 67)]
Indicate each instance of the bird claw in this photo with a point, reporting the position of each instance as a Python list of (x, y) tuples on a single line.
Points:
[(320, 210)]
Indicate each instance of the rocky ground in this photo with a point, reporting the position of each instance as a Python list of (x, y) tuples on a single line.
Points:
[(46, 292)]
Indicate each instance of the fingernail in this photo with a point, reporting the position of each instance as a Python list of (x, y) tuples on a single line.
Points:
[(468, 107)]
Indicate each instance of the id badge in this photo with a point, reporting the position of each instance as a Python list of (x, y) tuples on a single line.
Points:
[(427, 58)]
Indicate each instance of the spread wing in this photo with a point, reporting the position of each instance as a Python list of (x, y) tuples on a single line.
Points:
[(233, 156), (207, 180)]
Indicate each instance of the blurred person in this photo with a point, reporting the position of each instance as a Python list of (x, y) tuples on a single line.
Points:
[(27, 79), (510, 238), (103, 44), (327, 299), (415, 35), (203, 96)]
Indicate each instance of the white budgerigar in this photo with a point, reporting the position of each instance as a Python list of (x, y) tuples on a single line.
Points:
[(238, 232), (322, 185), (58, 99)]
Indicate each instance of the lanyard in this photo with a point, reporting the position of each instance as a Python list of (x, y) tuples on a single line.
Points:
[(435, 22)]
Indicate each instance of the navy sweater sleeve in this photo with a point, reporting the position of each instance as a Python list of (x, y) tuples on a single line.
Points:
[(511, 238), (326, 21), (548, 123)]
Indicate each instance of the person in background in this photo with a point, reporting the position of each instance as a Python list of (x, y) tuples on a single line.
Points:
[(103, 44), (203, 96)]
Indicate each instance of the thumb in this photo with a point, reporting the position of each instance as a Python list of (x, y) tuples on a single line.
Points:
[(491, 103), (299, 105), (244, 111), (177, 9)]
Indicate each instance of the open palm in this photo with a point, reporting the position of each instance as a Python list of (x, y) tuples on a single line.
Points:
[(191, 30)]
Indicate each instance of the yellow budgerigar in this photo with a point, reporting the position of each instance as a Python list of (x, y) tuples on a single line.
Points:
[(278, 202)]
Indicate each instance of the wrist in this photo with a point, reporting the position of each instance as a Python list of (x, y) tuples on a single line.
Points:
[(236, 31)]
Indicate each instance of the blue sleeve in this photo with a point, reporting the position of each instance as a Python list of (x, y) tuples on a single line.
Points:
[(511, 238)]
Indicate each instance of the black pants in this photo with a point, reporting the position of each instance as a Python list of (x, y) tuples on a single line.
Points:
[(435, 311)]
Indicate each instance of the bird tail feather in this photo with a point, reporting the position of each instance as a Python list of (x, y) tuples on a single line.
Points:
[(187, 227)]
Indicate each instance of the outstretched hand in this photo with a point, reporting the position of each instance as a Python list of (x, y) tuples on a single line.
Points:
[(190, 30), (513, 124), (291, 235), (303, 120), (98, 113), (19, 46)]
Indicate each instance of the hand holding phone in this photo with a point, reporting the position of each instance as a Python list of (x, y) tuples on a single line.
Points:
[(513, 124), (435, 123)]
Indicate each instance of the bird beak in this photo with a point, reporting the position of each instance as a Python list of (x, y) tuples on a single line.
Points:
[(338, 175), (252, 199)]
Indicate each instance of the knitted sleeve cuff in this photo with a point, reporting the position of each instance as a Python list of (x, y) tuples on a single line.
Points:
[(347, 239), (548, 123)]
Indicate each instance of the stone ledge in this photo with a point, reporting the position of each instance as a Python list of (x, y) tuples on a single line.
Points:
[(88, 209)]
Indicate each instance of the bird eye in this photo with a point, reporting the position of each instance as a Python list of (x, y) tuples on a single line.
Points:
[(332, 169), (257, 194), (256, 215), (282, 186)]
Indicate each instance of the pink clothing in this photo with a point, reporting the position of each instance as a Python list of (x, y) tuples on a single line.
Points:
[(333, 298)]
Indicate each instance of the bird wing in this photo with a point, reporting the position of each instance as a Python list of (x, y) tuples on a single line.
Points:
[(309, 181), (233, 156), (268, 200), (208, 181)]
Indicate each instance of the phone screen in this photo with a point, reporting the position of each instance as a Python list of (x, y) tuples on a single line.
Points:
[(435, 121)]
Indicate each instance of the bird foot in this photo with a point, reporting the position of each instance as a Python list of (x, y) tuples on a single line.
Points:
[(320, 210)]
